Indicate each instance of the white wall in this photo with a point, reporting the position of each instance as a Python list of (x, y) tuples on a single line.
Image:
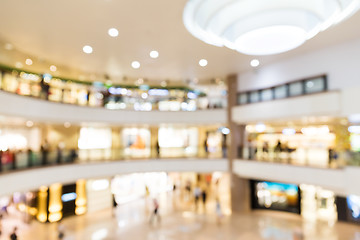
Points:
[(342, 181), (98, 199), (32, 179), (41, 110), (320, 104), (339, 62)]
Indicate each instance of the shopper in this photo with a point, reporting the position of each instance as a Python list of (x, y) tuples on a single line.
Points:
[(61, 231), (157, 146), (44, 153), (155, 213), (197, 193), (58, 154), (204, 196), (1, 162), (1, 217), (73, 155), (13, 235), (29, 157), (218, 212), (206, 147)]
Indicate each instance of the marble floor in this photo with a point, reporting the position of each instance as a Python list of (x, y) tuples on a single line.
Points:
[(184, 221)]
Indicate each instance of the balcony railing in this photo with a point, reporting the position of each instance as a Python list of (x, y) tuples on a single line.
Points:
[(23, 160), (98, 94), (307, 157)]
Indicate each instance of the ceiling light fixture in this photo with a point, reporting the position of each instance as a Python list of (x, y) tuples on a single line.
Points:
[(135, 64), (29, 123), (28, 61), (67, 124), (263, 27), (154, 54), (113, 32), (8, 46), (203, 62), (53, 68), (255, 63), (19, 65), (87, 49)]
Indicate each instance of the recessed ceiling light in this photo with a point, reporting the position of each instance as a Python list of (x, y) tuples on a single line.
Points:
[(87, 49), (203, 62), (140, 81), (154, 54), (67, 124), (163, 83), (255, 63), (266, 28), (29, 123), (28, 61), (135, 64), (53, 68), (9, 46), (19, 65), (113, 32)]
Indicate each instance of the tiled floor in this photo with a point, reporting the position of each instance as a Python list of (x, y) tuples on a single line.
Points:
[(181, 221)]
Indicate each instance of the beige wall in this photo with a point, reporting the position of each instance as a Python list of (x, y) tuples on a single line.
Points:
[(55, 134)]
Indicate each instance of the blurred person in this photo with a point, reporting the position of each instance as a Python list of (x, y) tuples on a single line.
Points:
[(218, 211), (188, 188), (1, 162), (204, 197), (223, 146), (45, 87), (44, 149), (197, 193), (73, 155), (58, 154), (13, 157), (206, 147), (155, 213), (1, 218), (30, 157), (13, 235), (61, 231), (266, 150), (278, 150), (157, 148)]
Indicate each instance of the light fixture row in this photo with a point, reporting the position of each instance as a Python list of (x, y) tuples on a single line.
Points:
[(30, 62), (31, 124)]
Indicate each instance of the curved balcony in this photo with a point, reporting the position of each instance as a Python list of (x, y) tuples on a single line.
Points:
[(99, 102), (30, 170), (41, 110)]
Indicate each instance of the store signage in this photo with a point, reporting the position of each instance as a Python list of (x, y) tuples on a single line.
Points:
[(67, 197)]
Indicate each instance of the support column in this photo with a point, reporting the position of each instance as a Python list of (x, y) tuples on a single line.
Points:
[(154, 137), (117, 146), (240, 188)]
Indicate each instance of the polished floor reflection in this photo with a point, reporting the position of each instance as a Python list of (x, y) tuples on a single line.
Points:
[(182, 220)]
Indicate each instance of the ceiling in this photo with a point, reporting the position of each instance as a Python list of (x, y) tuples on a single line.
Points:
[(54, 32)]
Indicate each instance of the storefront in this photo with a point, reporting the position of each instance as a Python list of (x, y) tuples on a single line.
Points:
[(136, 142), (95, 143), (306, 145), (99, 195), (130, 187), (312, 202), (58, 201), (178, 141), (275, 196)]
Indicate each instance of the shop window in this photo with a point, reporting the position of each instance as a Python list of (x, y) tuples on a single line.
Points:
[(280, 92), (254, 97), (315, 85), (267, 95), (295, 89), (243, 98)]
